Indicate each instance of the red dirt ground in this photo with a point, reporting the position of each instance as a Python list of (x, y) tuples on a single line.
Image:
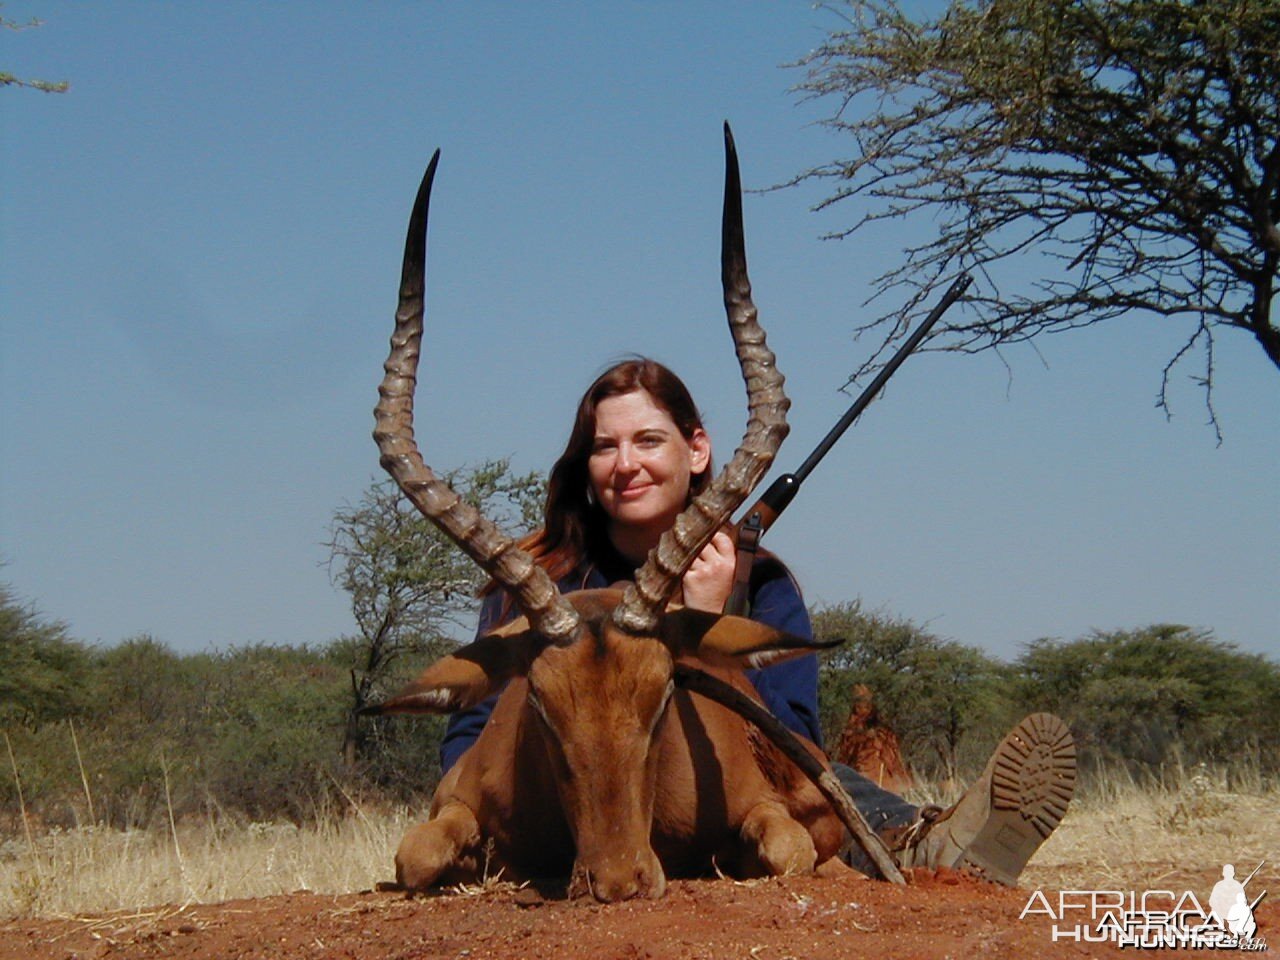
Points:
[(803, 918)]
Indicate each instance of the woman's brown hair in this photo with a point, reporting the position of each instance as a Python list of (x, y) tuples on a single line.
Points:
[(574, 525)]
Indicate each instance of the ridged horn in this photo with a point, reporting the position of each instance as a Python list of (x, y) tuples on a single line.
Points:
[(529, 585), (767, 405)]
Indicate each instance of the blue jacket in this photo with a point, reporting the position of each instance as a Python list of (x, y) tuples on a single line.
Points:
[(789, 690)]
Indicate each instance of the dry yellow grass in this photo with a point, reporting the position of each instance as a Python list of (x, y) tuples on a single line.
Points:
[(1126, 837), (1116, 836), (95, 869)]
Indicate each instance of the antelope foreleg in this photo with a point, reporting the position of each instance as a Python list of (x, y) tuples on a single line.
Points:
[(431, 848), (776, 841)]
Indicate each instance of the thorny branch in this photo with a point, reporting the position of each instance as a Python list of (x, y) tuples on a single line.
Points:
[(1127, 153)]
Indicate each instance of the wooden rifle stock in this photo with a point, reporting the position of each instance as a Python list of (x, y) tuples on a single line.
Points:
[(765, 511)]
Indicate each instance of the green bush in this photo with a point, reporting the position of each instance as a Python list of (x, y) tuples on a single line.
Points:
[(1158, 694), (132, 734), (42, 670), (252, 732)]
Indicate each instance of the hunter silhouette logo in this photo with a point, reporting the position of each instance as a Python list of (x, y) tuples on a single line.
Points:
[(1156, 919), (1230, 904)]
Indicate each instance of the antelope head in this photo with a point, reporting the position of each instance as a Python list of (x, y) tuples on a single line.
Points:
[(598, 665)]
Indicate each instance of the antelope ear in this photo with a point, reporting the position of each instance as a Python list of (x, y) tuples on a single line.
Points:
[(734, 640), (468, 675)]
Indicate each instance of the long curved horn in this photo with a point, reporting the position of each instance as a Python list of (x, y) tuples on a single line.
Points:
[(767, 406), (529, 585)]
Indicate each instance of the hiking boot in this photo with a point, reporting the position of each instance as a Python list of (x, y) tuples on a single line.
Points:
[(1005, 814)]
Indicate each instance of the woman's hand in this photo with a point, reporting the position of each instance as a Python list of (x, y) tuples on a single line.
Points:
[(710, 580)]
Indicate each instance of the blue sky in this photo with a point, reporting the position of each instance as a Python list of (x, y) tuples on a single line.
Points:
[(200, 260)]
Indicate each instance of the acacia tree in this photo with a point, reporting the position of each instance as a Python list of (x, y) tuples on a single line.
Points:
[(1157, 693), (409, 583), (1135, 144), (9, 80), (42, 669)]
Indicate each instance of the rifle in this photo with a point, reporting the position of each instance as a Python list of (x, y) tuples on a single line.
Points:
[(760, 517)]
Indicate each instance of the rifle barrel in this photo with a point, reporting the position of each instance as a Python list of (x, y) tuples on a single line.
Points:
[(783, 490), (762, 514), (887, 371)]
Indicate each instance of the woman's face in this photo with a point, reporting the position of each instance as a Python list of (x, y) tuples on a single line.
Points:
[(640, 464)]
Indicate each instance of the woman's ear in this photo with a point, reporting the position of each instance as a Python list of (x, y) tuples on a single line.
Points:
[(699, 450)]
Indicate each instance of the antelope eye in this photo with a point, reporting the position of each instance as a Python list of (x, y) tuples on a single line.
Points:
[(671, 688), (536, 702), (539, 708), (662, 707)]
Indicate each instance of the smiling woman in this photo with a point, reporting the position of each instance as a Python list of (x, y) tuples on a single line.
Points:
[(641, 466), (636, 456)]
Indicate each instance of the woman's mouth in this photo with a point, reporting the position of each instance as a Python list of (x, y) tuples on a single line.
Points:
[(634, 492)]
